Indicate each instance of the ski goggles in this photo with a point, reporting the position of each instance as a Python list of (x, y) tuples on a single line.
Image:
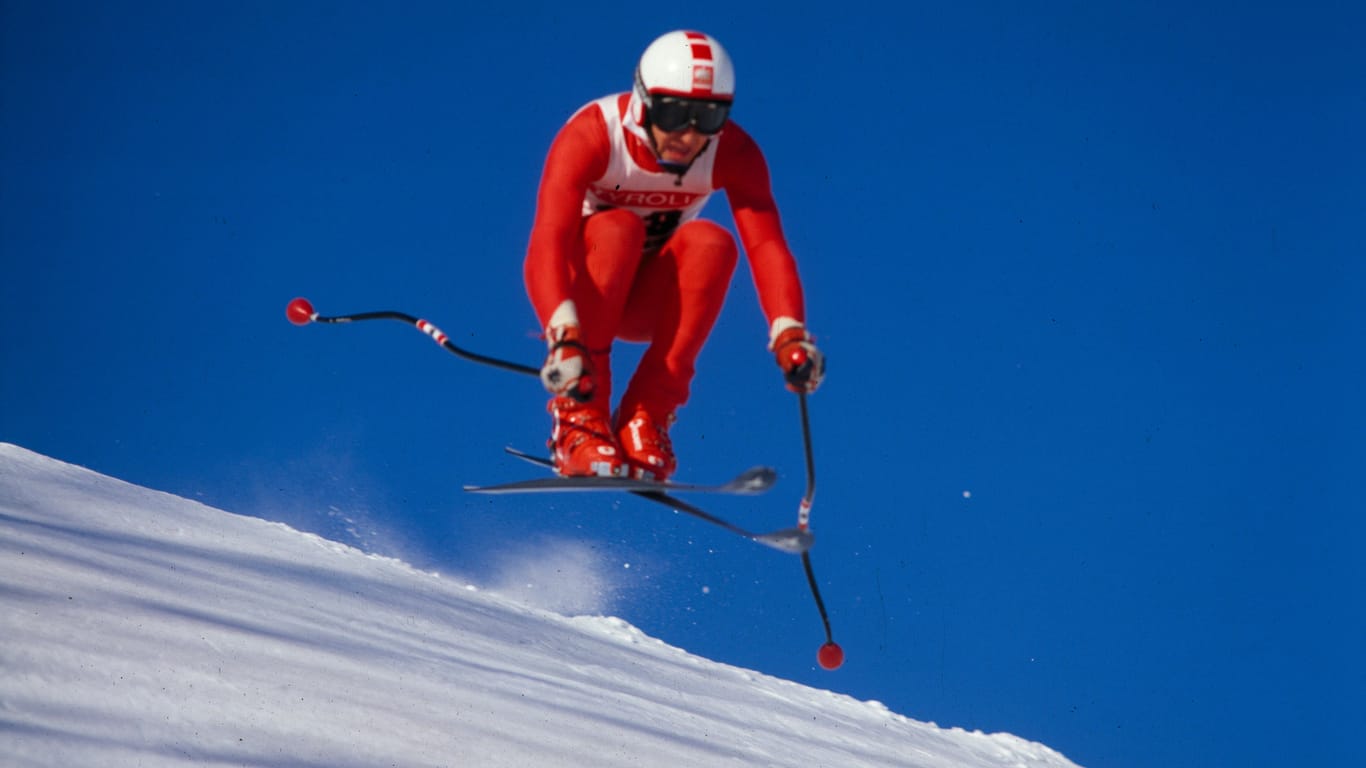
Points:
[(671, 114)]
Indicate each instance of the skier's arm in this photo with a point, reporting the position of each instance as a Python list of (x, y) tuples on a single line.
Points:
[(743, 173), (577, 157)]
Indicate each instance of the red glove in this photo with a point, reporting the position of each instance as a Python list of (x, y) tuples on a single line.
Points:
[(566, 372), (803, 365)]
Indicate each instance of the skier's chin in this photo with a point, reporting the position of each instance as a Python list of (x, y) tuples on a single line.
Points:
[(674, 157)]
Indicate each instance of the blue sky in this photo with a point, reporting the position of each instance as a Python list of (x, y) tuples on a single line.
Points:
[(1089, 278)]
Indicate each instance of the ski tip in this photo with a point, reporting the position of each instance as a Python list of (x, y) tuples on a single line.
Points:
[(754, 480), (793, 541)]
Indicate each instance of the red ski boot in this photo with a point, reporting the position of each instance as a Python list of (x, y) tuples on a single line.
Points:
[(645, 441), (582, 441)]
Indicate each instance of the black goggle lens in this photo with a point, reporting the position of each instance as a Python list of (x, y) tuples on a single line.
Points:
[(673, 114)]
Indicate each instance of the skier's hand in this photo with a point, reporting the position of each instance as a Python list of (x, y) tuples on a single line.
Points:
[(803, 365), (566, 372)]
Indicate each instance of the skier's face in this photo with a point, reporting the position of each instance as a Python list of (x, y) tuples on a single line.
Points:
[(678, 147)]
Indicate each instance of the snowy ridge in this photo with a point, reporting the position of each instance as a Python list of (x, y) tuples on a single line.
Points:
[(144, 629)]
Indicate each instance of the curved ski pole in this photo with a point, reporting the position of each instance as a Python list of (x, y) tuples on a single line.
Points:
[(300, 312), (830, 656)]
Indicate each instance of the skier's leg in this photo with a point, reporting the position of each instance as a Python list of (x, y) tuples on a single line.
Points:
[(603, 274), (602, 271), (677, 298)]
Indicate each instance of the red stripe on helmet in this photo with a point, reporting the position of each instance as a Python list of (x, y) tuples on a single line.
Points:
[(700, 44)]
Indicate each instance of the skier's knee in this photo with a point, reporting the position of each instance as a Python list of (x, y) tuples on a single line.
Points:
[(618, 229), (711, 240)]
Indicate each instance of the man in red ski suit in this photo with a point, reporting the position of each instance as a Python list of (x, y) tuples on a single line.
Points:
[(617, 252)]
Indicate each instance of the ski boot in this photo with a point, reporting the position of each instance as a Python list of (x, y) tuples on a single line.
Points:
[(582, 444), (645, 442)]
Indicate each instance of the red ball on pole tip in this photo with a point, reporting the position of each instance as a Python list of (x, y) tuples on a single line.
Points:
[(830, 656), (299, 311)]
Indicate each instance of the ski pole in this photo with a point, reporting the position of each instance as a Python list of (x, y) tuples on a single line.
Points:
[(831, 655), (300, 312)]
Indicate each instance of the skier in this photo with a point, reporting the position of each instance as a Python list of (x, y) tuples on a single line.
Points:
[(617, 251)]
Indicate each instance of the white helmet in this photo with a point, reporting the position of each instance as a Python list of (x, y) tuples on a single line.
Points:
[(689, 65)]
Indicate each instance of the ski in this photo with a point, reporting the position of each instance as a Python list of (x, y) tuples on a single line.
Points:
[(793, 541), (751, 481)]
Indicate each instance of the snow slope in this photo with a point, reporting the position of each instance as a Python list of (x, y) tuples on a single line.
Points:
[(144, 629)]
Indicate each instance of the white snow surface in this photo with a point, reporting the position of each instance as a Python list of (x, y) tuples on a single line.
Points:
[(138, 628)]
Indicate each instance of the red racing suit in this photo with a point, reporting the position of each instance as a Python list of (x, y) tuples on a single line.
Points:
[(618, 247)]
